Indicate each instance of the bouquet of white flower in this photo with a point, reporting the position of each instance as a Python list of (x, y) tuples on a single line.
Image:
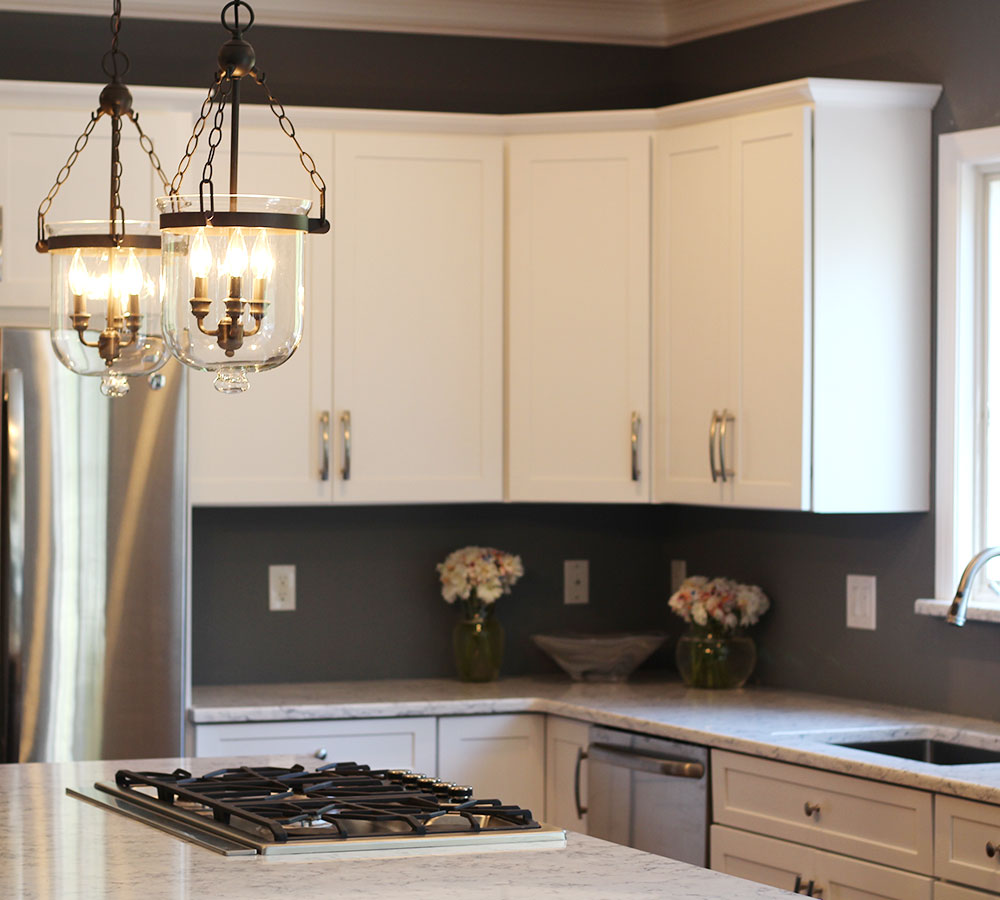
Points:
[(478, 575), (720, 601)]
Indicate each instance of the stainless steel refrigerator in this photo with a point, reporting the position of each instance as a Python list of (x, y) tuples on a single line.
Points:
[(92, 547)]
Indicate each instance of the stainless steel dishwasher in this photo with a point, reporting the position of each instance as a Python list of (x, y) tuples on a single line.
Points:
[(648, 793)]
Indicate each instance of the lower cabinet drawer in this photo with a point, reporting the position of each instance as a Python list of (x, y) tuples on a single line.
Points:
[(944, 891), (868, 819), (962, 831), (783, 864), (400, 743)]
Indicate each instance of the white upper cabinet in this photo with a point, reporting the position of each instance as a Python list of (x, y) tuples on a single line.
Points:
[(34, 146), (418, 318), (265, 445), (792, 304), (578, 317)]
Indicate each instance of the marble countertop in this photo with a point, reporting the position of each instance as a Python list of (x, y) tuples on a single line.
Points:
[(58, 846), (778, 724)]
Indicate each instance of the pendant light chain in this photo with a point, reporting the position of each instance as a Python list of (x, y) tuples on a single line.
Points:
[(214, 139), (146, 143), (117, 213), (199, 127)]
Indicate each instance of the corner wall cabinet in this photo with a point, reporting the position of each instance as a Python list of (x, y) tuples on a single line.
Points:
[(578, 317), (792, 304)]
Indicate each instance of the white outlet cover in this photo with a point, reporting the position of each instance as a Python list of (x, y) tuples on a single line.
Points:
[(281, 588), (678, 572), (861, 602), (576, 581)]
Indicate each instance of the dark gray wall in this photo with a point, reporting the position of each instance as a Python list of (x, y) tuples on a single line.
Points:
[(368, 605)]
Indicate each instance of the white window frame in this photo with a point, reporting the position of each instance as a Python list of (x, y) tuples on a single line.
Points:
[(965, 160)]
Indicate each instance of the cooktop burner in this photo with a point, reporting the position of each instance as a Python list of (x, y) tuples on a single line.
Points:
[(276, 810)]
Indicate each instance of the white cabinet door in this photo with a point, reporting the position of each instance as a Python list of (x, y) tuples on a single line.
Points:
[(265, 445), (499, 756), (945, 891), (964, 834), (832, 876), (418, 317), (403, 743), (761, 859), (578, 317), (566, 772), (694, 309), (34, 146), (769, 439)]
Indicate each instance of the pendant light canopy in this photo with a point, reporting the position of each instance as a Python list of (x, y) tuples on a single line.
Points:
[(105, 303), (232, 263)]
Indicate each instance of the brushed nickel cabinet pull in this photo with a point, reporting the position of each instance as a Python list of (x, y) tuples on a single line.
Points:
[(725, 471), (321, 753), (324, 445), (712, 429), (634, 437), (345, 421)]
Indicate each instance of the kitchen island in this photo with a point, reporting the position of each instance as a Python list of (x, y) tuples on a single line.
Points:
[(58, 846)]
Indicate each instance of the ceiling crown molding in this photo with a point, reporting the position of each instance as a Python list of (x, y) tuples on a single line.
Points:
[(655, 23)]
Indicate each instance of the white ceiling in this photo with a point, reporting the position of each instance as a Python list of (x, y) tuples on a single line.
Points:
[(649, 22)]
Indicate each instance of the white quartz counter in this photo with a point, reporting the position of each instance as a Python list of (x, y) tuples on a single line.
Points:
[(55, 846), (782, 725)]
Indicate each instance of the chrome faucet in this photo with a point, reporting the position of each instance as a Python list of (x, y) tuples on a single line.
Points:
[(956, 613)]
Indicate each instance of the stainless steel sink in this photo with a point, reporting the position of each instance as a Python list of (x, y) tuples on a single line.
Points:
[(940, 753)]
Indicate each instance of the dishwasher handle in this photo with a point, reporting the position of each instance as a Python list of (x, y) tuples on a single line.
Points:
[(581, 810), (641, 762)]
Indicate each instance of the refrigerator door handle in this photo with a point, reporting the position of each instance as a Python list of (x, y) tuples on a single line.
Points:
[(13, 563)]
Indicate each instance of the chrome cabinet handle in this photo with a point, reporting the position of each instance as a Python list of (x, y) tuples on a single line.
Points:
[(811, 809), (12, 589), (711, 445), (324, 445), (634, 437), (641, 762), (581, 810), (321, 753), (345, 421), (724, 470)]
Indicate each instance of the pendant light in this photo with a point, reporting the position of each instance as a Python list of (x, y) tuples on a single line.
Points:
[(105, 304), (233, 295)]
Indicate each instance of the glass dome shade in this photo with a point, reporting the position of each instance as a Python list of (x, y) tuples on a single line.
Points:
[(233, 296), (104, 312)]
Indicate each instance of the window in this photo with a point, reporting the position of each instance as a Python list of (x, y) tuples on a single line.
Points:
[(968, 362)]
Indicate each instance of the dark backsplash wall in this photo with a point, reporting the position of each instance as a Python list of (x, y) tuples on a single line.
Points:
[(368, 602)]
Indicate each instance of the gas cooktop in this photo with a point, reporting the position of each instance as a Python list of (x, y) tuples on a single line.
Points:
[(249, 810)]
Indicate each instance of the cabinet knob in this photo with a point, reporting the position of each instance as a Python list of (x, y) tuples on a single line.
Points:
[(991, 849), (811, 809), (321, 753)]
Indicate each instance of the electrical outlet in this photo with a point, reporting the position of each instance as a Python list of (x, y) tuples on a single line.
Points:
[(678, 572), (281, 588), (861, 601), (576, 581)]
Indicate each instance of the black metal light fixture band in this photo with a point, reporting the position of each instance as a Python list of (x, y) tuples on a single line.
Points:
[(224, 219), (82, 241)]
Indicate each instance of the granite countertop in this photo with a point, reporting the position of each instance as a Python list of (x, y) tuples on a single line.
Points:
[(58, 846), (777, 724)]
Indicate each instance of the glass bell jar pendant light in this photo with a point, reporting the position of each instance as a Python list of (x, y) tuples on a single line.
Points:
[(233, 295), (105, 304)]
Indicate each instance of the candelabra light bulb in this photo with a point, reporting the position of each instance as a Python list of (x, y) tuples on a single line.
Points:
[(131, 277), (236, 255), (261, 260), (79, 277), (200, 257)]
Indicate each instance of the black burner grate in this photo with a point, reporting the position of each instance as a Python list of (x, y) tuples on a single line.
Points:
[(335, 802)]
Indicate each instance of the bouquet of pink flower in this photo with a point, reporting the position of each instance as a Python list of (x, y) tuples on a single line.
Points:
[(721, 601), (478, 575)]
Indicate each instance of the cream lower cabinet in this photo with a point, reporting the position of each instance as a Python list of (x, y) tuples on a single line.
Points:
[(946, 891), (578, 317), (967, 842), (396, 391), (792, 305), (401, 743), (499, 755), (566, 773), (796, 867)]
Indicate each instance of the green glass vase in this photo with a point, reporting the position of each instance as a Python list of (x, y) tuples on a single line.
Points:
[(715, 658), (478, 644)]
